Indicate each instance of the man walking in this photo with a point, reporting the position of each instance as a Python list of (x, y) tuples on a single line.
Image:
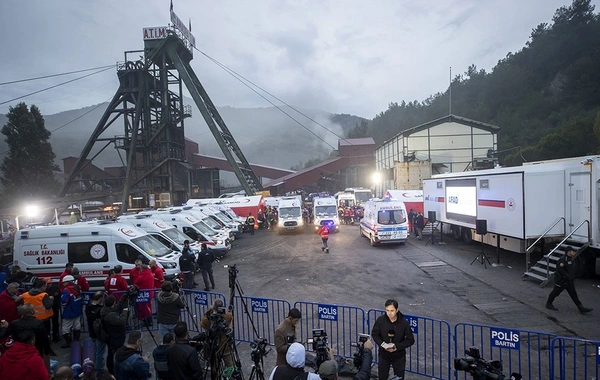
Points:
[(187, 265), (250, 223), (324, 233), (205, 260), (563, 279)]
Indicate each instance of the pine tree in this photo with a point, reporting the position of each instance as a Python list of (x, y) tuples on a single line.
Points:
[(28, 168)]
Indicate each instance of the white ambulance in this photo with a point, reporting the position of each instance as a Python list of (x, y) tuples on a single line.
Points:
[(93, 247), (290, 214), (325, 212), (385, 221)]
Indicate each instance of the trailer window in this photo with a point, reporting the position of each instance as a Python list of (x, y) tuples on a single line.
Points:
[(88, 252), (391, 217)]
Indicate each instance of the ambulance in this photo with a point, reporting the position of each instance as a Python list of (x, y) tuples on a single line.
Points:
[(325, 212), (290, 214), (93, 247), (385, 221)]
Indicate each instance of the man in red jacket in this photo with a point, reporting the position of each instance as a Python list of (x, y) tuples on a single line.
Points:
[(10, 298), (324, 233), (158, 273), (80, 281), (22, 360), (135, 272), (66, 272), (145, 281), (116, 283)]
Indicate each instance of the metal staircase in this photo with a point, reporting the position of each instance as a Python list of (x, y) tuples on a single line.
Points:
[(544, 269)]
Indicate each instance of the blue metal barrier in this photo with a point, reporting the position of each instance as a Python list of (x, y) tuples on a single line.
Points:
[(198, 303), (576, 358), (266, 314), (341, 323), (522, 351), (431, 355)]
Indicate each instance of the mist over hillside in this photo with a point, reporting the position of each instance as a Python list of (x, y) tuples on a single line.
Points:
[(266, 135)]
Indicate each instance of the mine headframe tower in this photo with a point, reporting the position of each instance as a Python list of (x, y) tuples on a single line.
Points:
[(149, 102)]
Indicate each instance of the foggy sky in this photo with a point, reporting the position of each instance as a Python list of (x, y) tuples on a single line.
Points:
[(344, 56)]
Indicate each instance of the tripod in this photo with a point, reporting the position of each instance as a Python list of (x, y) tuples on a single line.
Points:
[(133, 304), (257, 371), (432, 236), (481, 257)]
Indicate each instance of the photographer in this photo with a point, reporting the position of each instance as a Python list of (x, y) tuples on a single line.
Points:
[(114, 322), (285, 335), (217, 321), (182, 358), (294, 366), (129, 362), (169, 305), (393, 335), (329, 369)]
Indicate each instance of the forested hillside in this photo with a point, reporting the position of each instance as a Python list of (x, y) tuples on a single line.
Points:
[(545, 97)]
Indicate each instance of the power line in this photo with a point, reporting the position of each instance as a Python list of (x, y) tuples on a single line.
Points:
[(55, 75), (242, 79), (56, 85)]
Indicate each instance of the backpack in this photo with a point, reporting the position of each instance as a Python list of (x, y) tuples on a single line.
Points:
[(100, 332)]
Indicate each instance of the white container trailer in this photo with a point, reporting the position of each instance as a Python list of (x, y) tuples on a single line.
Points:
[(548, 199)]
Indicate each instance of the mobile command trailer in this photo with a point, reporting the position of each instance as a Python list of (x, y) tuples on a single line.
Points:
[(325, 212), (94, 248), (413, 199), (290, 214), (242, 206), (548, 201), (385, 221)]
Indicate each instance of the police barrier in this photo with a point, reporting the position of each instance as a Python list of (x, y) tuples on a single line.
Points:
[(266, 314), (341, 323), (522, 351), (431, 355), (573, 358), (198, 303)]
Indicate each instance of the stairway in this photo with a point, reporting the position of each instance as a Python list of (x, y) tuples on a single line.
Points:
[(543, 270)]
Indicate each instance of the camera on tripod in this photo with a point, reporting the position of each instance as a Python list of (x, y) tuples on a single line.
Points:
[(360, 349), (258, 346), (132, 292), (319, 345), (198, 341), (481, 369)]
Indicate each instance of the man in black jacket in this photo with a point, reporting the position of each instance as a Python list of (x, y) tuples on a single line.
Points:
[(329, 369), (205, 260), (393, 335), (129, 362), (187, 265), (161, 361), (564, 277), (114, 322), (92, 312), (182, 358)]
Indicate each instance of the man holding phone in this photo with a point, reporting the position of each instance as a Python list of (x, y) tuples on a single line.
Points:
[(392, 333)]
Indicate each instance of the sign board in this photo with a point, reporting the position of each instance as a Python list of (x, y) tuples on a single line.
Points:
[(201, 298), (85, 298), (259, 305), (156, 33), (504, 338), (328, 312), (177, 23), (413, 322), (143, 297)]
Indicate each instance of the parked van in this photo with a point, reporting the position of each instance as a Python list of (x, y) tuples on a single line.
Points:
[(290, 214), (93, 247), (234, 226), (214, 224), (162, 231), (194, 229), (325, 212), (384, 221)]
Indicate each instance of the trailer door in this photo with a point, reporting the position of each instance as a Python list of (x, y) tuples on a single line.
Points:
[(580, 204)]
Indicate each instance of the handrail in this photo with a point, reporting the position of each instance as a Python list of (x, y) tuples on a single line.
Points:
[(547, 257), (528, 250)]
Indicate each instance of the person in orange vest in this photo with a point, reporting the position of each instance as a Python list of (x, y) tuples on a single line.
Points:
[(250, 223), (41, 302), (324, 233)]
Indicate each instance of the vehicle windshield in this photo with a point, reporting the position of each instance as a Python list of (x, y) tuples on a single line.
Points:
[(151, 246), (225, 216), (325, 211), (205, 229), (391, 217), (289, 212), (176, 235), (362, 196), (216, 219), (211, 223)]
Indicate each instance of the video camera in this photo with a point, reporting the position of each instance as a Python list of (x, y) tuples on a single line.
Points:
[(258, 346), (218, 322), (319, 345), (360, 349), (132, 292), (198, 341), (481, 369)]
